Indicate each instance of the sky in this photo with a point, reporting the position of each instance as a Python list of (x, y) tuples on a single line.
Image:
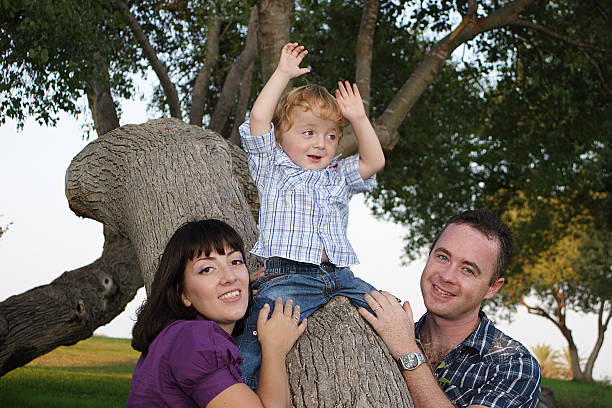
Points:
[(46, 238)]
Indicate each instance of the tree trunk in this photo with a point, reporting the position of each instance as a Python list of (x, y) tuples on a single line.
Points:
[(200, 87), (602, 326), (232, 82), (274, 25), (341, 362), (144, 181), (71, 307)]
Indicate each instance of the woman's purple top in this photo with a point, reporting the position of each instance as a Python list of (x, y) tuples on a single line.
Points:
[(188, 364)]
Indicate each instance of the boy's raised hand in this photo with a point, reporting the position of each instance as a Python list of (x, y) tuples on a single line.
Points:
[(292, 55), (349, 101)]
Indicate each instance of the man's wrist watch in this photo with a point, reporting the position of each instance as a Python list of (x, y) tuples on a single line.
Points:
[(411, 360)]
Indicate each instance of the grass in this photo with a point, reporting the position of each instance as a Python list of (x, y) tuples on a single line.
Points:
[(95, 372), (572, 394)]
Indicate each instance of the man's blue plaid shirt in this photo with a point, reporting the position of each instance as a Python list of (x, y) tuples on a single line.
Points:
[(302, 211), (489, 368)]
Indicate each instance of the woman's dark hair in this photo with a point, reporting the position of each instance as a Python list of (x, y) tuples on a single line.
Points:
[(165, 305)]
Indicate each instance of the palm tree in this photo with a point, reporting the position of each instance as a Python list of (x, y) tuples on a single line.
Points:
[(549, 361)]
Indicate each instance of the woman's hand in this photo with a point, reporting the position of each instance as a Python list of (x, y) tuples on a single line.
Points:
[(281, 331)]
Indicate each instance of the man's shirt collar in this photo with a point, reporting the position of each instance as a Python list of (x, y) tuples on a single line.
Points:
[(480, 339)]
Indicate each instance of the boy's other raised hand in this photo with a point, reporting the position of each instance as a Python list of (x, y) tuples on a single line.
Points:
[(292, 55), (349, 101)]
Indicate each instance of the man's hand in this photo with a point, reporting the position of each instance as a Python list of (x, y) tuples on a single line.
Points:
[(349, 101), (393, 323), (292, 55), (254, 276)]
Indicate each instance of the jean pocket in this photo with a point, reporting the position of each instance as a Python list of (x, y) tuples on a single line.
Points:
[(270, 281)]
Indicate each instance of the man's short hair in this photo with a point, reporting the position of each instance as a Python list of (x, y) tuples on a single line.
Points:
[(310, 98), (493, 228)]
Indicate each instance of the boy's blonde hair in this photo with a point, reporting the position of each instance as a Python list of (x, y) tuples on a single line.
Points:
[(311, 98)]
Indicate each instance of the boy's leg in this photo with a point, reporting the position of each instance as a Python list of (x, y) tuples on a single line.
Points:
[(353, 288), (307, 289)]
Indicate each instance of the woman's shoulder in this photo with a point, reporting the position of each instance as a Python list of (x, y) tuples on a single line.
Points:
[(199, 333)]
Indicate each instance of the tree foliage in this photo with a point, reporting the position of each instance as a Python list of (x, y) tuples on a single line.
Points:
[(520, 112)]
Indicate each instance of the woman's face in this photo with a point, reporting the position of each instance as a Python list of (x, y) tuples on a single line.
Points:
[(217, 286)]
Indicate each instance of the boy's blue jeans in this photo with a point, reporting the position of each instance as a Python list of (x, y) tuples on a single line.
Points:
[(309, 286)]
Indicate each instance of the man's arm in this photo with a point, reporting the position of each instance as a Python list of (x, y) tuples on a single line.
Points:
[(288, 68), (371, 157), (395, 326)]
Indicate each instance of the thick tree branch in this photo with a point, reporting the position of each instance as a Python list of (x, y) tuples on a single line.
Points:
[(243, 103), (101, 104), (364, 47), (599, 73), (472, 7), (158, 67), (550, 33), (387, 124), (71, 307), (233, 80), (200, 87)]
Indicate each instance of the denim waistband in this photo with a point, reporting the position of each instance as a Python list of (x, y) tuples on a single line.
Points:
[(289, 266)]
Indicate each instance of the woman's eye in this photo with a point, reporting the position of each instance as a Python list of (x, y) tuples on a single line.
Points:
[(331, 137), (206, 270), (308, 133), (237, 262)]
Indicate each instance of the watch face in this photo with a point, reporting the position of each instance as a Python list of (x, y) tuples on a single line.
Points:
[(410, 361)]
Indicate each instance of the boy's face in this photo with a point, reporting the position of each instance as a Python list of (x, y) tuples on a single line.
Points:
[(311, 142)]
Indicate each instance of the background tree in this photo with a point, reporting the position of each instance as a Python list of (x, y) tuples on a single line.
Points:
[(531, 74), (574, 272)]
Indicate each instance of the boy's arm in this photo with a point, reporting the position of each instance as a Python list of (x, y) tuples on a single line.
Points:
[(371, 157), (288, 68)]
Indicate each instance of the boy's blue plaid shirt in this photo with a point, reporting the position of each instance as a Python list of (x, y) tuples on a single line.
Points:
[(302, 211), (489, 368)]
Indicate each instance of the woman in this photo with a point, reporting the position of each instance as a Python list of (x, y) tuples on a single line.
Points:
[(184, 330)]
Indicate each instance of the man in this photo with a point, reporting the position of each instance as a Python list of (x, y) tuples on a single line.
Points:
[(470, 363)]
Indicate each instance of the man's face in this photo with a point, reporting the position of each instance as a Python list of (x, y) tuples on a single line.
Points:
[(458, 273), (311, 142)]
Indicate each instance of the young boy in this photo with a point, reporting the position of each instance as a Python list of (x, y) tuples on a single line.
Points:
[(304, 193)]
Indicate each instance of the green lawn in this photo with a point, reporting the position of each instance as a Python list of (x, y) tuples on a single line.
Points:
[(572, 394), (97, 373)]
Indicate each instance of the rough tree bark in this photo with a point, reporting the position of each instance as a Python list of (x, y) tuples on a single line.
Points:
[(144, 181)]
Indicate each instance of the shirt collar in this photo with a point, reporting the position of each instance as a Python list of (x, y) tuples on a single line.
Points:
[(480, 339)]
